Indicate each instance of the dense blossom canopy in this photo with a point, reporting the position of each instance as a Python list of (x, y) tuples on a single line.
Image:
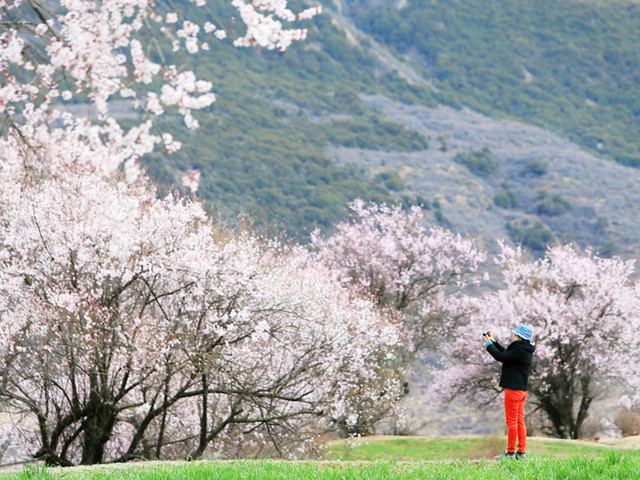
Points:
[(414, 273), (583, 311), (389, 254), (131, 325)]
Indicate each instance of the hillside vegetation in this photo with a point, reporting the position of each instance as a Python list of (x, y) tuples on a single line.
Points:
[(293, 137), (261, 146), (571, 67)]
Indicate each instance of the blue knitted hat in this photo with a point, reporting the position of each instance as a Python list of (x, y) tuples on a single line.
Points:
[(524, 332)]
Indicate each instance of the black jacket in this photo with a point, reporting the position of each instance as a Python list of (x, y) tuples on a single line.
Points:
[(516, 361)]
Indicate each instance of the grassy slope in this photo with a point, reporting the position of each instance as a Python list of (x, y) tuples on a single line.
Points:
[(598, 463), (456, 448), (613, 466)]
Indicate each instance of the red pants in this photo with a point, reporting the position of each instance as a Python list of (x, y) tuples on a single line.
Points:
[(516, 428)]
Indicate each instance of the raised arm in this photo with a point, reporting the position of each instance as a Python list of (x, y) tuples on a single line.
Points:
[(515, 355)]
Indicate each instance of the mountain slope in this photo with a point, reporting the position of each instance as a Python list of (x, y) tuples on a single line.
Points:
[(371, 106), (260, 147), (601, 197), (571, 66)]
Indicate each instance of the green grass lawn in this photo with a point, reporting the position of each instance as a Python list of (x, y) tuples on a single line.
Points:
[(425, 458), (614, 465), (452, 448)]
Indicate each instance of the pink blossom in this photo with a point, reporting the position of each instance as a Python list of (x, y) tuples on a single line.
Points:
[(413, 273), (100, 275), (97, 46), (191, 180), (582, 311), (144, 70), (310, 13)]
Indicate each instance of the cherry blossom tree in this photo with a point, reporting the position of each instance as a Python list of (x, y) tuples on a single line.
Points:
[(412, 272), (390, 255), (131, 327), (54, 54), (583, 311)]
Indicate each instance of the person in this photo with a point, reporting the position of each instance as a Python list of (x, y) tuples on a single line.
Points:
[(516, 362)]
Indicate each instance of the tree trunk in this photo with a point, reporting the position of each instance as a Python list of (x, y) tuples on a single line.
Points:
[(97, 434), (560, 403), (101, 419)]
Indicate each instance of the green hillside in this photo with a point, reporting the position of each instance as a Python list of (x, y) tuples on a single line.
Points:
[(261, 146), (293, 137), (570, 66)]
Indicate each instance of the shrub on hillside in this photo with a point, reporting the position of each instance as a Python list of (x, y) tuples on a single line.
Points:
[(535, 237), (608, 250), (480, 162), (443, 143), (440, 218), (506, 199), (552, 206), (390, 179), (536, 167), (419, 201)]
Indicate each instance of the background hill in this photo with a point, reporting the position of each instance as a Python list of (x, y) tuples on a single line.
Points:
[(504, 117)]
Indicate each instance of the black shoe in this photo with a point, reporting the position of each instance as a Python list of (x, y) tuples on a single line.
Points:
[(506, 456), (521, 456)]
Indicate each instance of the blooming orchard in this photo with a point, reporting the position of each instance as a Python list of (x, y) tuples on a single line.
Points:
[(413, 273), (132, 328), (391, 256), (583, 310)]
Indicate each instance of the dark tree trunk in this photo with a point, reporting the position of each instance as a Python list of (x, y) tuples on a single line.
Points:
[(97, 434), (566, 404), (101, 419)]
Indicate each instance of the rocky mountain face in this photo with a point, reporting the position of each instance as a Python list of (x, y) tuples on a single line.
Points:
[(602, 197)]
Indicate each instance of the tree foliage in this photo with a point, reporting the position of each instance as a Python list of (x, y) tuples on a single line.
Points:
[(480, 162), (581, 308), (413, 272), (131, 327)]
